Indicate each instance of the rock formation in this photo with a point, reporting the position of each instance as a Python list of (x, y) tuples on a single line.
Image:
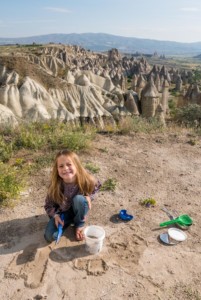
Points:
[(71, 84), (149, 99)]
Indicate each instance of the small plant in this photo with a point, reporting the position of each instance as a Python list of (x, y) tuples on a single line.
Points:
[(92, 168), (104, 150), (172, 107), (126, 125), (148, 202), (109, 128), (192, 142), (109, 185), (174, 93), (19, 162)]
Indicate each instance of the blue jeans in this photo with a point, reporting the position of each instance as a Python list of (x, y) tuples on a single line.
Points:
[(75, 214)]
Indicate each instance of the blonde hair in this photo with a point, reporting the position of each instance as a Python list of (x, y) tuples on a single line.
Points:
[(85, 181)]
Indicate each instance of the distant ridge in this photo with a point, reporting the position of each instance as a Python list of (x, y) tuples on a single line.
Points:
[(104, 42)]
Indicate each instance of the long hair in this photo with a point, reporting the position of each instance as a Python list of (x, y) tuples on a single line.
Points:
[(85, 181)]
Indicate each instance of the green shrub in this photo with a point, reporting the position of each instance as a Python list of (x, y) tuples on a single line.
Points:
[(172, 107), (10, 183), (189, 115), (174, 93), (71, 140), (28, 141), (196, 78), (28, 138), (43, 136), (5, 150)]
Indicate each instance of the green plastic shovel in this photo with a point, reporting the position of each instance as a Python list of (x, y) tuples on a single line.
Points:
[(183, 220)]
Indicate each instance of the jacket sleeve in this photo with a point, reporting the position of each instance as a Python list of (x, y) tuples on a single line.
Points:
[(95, 191), (50, 207)]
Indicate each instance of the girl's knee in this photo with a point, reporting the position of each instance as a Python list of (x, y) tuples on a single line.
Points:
[(48, 237), (79, 200), (49, 231), (80, 204)]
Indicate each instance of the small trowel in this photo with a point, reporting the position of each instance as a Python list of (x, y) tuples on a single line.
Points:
[(60, 230)]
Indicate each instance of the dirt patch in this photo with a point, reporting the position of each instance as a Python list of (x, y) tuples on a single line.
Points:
[(134, 263), (24, 68)]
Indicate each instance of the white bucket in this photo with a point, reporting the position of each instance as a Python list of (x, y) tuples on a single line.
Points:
[(94, 236)]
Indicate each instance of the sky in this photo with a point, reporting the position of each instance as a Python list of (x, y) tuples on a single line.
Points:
[(168, 20)]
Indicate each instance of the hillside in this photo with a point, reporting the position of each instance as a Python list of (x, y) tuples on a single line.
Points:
[(104, 42)]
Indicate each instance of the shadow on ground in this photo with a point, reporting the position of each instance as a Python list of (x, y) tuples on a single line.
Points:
[(65, 254), (15, 235)]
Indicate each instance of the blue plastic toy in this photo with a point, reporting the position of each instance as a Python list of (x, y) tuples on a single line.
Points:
[(124, 216), (60, 230)]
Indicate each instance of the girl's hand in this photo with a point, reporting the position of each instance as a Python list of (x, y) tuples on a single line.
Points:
[(58, 220), (89, 201)]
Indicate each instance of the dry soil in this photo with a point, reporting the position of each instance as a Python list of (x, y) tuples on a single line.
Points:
[(133, 263)]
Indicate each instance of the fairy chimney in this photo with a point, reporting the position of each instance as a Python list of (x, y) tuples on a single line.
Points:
[(134, 82), (130, 103), (184, 77), (114, 55), (163, 71), (159, 114), (158, 82), (149, 99), (195, 94), (165, 95), (188, 92), (141, 82), (179, 82)]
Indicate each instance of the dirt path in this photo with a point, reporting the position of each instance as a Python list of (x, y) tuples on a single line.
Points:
[(133, 263)]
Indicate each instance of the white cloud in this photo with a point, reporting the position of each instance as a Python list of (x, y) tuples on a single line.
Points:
[(58, 9), (191, 9)]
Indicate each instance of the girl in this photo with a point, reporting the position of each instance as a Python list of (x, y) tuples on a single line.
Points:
[(70, 192)]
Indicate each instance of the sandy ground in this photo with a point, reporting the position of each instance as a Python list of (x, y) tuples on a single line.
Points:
[(133, 263)]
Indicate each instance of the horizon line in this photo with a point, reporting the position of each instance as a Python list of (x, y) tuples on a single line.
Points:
[(76, 33)]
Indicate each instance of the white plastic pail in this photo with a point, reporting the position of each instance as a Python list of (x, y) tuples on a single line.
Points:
[(94, 236)]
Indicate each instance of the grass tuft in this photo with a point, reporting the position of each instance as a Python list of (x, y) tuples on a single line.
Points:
[(109, 185), (139, 124), (148, 202), (92, 168)]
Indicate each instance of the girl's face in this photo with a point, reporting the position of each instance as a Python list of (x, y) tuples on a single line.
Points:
[(66, 169)]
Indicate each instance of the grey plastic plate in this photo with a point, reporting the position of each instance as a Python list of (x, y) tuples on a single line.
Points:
[(164, 237)]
